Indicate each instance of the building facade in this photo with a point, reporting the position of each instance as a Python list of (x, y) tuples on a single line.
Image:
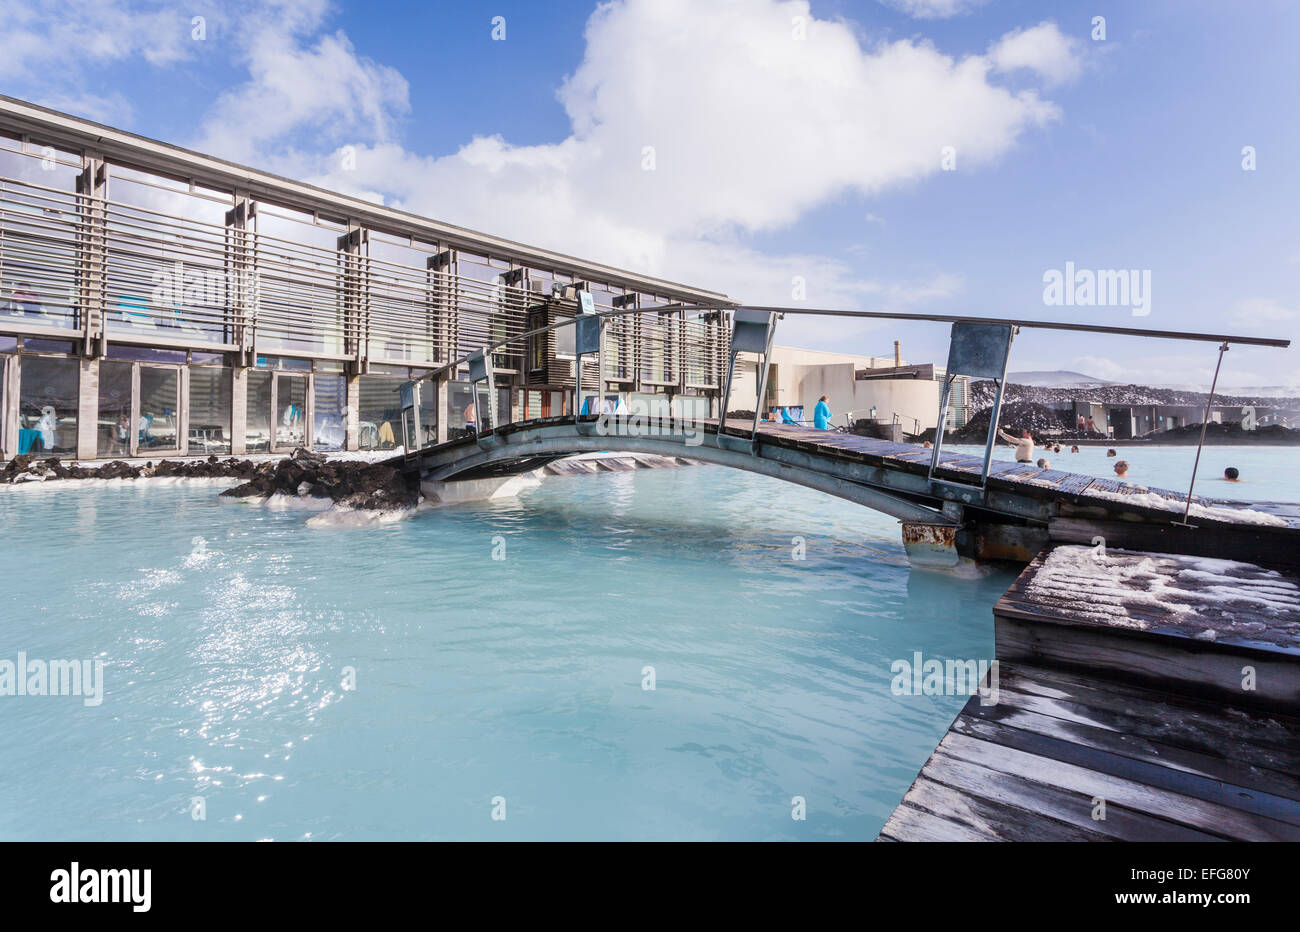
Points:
[(884, 390), (156, 301)]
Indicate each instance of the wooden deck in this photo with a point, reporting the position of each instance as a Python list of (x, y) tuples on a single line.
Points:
[(1110, 496), (1032, 767), (1123, 677)]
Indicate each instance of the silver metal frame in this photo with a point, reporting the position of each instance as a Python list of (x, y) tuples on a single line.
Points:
[(982, 347)]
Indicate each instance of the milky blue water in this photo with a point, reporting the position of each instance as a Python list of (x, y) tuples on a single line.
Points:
[(226, 631), (1267, 474)]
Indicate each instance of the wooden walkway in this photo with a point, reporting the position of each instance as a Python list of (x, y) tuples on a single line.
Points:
[(1105, 495), (1068, 506), (1123, 677), (1034, 766)]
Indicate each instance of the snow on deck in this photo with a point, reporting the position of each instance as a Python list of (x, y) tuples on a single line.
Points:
[(1199, 597)]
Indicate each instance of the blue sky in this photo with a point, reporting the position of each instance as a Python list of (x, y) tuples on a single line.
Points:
[(776, 157)]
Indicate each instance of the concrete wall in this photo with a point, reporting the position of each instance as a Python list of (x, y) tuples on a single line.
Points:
[(803, 376)]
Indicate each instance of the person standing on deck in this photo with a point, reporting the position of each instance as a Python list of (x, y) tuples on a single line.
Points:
[(1024, 445), (822, 413)]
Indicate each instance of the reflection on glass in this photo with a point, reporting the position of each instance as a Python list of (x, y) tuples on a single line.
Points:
[(291, 402), (47, 406), (210, 406), (257, 432), (380, 424), (461, 414), (159, 404), (114, 431), (330, 404)]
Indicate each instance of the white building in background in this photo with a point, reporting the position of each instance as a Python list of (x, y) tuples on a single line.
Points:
[(877, 388)]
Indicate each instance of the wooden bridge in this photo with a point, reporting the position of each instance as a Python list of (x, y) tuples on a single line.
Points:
[(1014, 514)]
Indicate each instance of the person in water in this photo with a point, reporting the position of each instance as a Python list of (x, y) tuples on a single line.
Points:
[(1044, 463), (822, 413), (1024, 445), (1110, 453), (1231, 474), (1074, 449), (1121, 469)]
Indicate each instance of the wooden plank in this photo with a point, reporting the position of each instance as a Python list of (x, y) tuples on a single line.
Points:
[(1013, 790), (1212, 818), (1184, 664), (1101, 761), (1251, 543), (1262, 739), (910, 824), (995, 820), (1021, 710)]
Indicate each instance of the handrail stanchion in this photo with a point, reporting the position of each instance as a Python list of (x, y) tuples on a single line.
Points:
[(480, 370), (586, 340), (410, 404), (751, 332), (1205, 422), (981, 351)]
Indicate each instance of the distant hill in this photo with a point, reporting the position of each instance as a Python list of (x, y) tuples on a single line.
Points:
[(1057, 378), (1114, 393)]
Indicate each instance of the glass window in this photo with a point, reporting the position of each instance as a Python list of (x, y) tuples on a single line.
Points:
[(114, 430), (38, 276), (257, 433), (301, 274), (380, 424), (36, 168), (428, 413), (460, 406), (166, 251), (210, 407), (47, 406), (159, 409), (330, 403), (144, 353), (61, 347), (291, 405)]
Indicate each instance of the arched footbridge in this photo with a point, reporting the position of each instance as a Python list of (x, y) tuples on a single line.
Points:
[(949, 502)]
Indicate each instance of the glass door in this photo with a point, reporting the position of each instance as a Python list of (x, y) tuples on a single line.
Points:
[(158, 414), (289, 402)]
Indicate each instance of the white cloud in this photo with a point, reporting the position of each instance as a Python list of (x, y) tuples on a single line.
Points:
[(758, 131), (326, 92), (751, 129), (934, 9), (1262, 311), (1042, 49), (53, 41)]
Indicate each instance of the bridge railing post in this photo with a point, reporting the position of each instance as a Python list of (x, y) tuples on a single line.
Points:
[(982, 351), (586, 340), (480, 370), (752, 331)]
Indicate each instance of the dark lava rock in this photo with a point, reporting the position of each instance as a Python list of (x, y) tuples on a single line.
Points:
[(302, 453), (358, 485)]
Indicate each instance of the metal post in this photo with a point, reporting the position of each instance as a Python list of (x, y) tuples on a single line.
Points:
[(1209, 403), (943, 419), (762, 377), (588, 336)]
